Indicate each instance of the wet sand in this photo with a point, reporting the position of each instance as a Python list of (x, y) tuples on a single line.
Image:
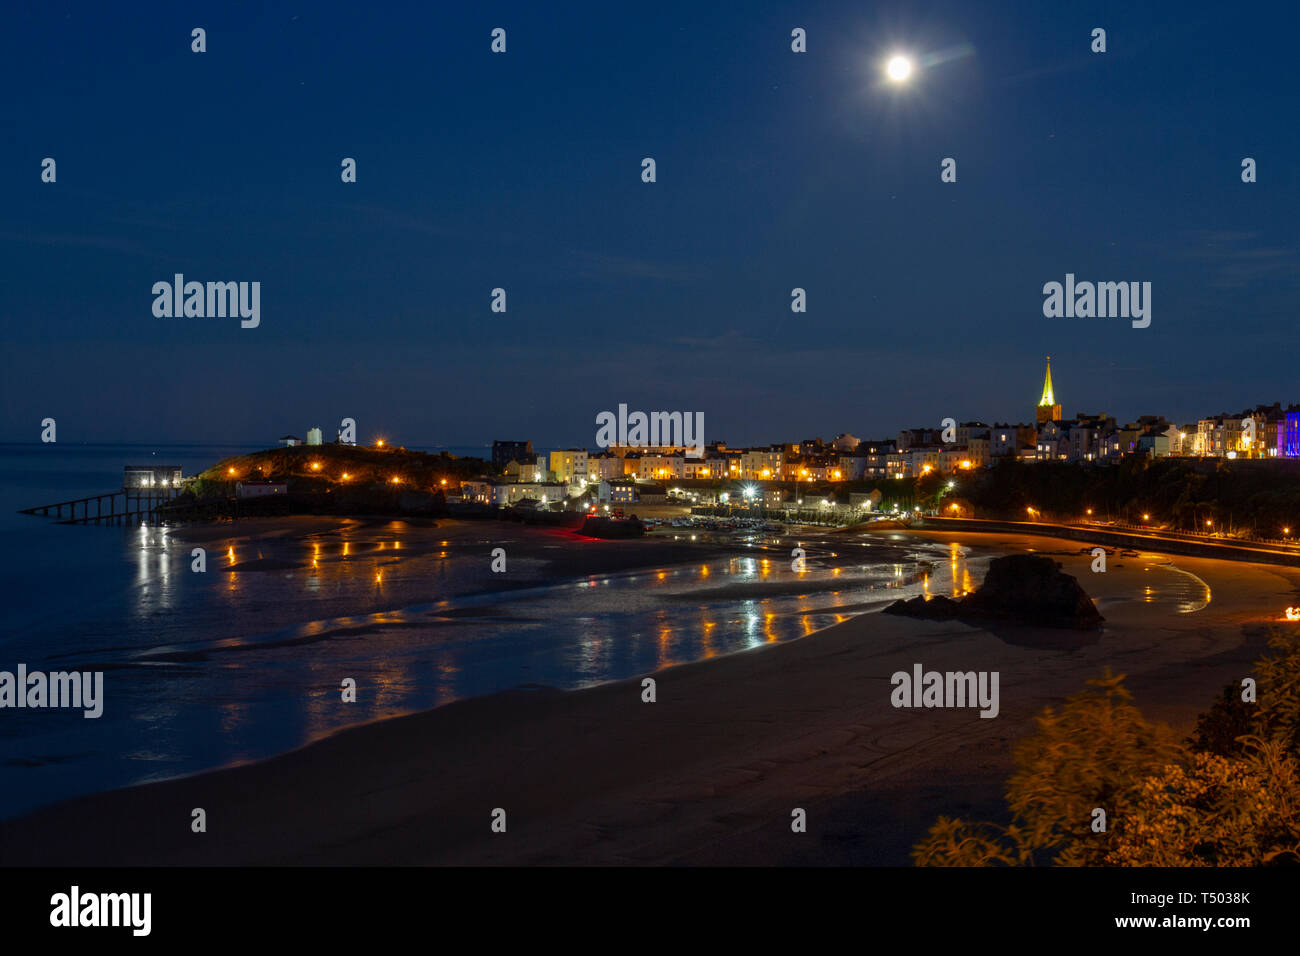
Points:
[(710, 772), (553, 545)]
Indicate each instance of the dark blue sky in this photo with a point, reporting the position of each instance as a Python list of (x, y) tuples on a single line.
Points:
[(522, 170)]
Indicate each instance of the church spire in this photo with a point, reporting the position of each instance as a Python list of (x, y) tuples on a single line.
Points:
[(1048, 399)]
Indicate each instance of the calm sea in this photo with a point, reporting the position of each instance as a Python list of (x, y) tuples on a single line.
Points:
[(205, 670)]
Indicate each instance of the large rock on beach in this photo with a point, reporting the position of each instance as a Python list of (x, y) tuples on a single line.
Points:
[(1019, 588)]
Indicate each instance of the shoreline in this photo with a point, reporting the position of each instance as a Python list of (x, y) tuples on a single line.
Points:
[(707, 773)]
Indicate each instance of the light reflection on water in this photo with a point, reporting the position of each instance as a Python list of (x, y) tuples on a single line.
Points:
[(1185, 591), (203, 669)]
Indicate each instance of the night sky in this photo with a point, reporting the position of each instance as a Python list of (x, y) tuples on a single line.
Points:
[(523, 171)]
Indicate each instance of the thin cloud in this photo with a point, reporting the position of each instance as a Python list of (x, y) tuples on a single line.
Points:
[(594, 265)]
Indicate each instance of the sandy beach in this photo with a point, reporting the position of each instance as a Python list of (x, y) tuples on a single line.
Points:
[(710, 772)]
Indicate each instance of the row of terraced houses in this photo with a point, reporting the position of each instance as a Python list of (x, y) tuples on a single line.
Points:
[(1263, 432)]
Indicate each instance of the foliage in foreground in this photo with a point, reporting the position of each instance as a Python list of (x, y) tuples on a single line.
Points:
[(1228, 796)]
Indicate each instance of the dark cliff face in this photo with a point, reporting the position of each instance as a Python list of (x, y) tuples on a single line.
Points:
[(1024, 588)]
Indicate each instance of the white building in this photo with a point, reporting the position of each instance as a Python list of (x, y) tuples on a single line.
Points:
[(761, 465), (603, 466), (478, 492), (662, 467), (622, 492), (705, 468), (545, 492), (313, 436)]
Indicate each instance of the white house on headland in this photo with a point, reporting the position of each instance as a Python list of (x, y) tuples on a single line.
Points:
[(288, 441)]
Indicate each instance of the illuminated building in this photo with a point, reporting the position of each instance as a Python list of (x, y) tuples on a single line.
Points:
[(1049, 410), (1289, 436)]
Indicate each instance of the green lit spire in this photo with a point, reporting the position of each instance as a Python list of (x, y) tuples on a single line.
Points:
[(1048, 400)]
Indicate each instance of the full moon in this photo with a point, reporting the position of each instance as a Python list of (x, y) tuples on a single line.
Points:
[(899, 69)]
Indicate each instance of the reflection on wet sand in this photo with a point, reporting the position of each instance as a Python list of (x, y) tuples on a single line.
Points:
[(247, 659)]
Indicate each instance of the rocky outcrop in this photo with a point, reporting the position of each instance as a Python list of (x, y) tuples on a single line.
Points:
[(613, 528), (1020, 588)]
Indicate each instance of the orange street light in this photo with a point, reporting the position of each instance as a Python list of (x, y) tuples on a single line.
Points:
[(346, 476), (315, 466), (1146, 517)]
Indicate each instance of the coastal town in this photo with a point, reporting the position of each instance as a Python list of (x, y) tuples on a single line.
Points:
[(784, 474), (847, 474), (1222, 475), (597, 436)]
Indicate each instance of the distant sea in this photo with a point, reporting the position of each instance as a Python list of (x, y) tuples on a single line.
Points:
[(207, 670)]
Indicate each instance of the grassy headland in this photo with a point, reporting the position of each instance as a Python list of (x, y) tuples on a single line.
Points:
[(332, 479)]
